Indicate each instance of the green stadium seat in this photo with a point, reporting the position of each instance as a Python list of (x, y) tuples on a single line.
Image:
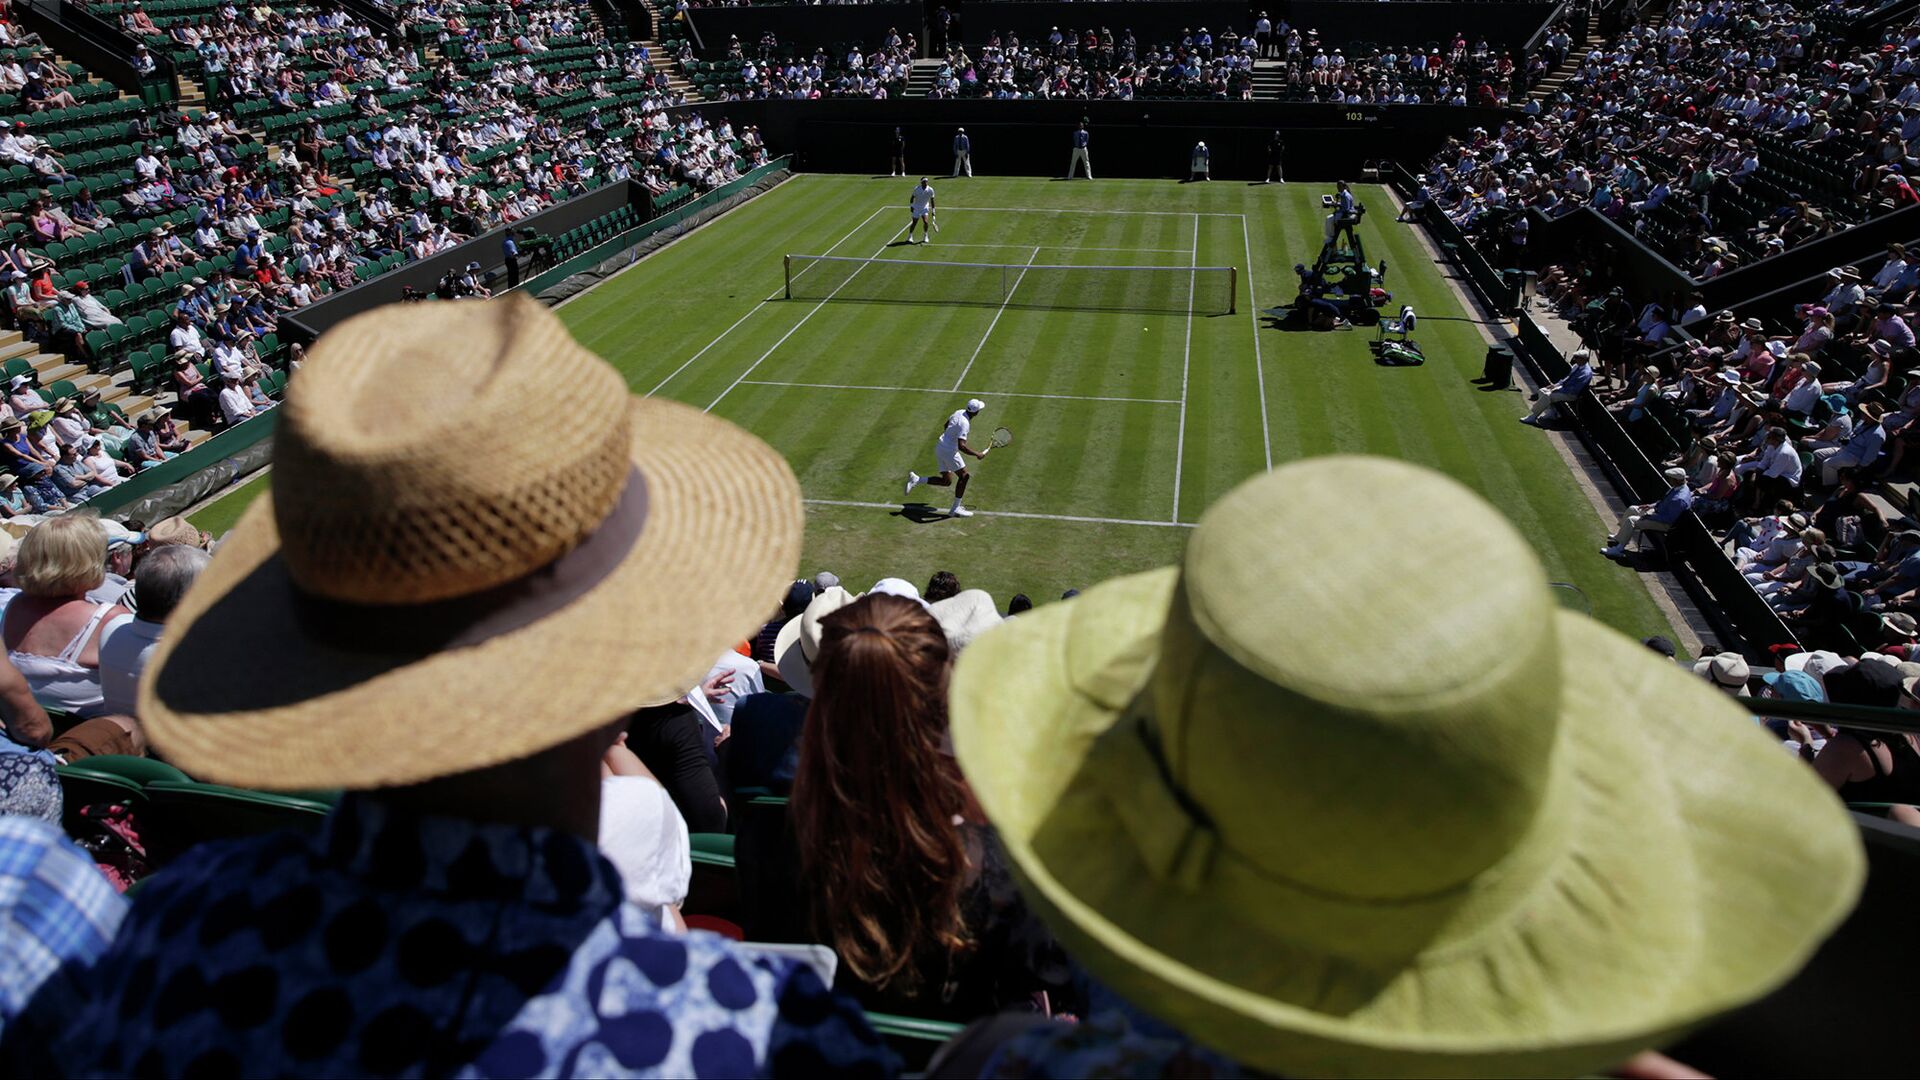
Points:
[(182, 814)]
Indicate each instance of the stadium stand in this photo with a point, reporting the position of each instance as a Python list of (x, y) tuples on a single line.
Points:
[(370, 844)]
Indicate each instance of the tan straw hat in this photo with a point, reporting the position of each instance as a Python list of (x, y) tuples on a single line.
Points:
[(1524, 845), (437, 587)]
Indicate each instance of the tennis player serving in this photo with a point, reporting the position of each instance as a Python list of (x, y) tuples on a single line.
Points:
[(949, 452)]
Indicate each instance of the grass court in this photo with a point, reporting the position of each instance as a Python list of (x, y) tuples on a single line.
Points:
[(1128, 423)]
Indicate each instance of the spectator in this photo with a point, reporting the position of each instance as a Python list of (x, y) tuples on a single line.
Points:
[(52, 630), (1135, 747), (889, 867), (498, 817), (58, 912), (942, 585), (1568, 388), (126, 644), (1656, 517)]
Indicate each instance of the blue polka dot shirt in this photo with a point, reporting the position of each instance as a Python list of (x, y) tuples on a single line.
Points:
[(403, 946)]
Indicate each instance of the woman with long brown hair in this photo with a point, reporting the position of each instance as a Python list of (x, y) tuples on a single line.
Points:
[(885, 855)]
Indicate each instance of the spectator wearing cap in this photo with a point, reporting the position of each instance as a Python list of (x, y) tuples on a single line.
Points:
[(68, 425), (884, 862), (410, 714), (236, 405), (93, 454), (127, 643), (94, 314), (33, 464), (1113, 744), (1656, 517), (23, 398), (1568, 388), (13, 500), (166, 431), (142, 448)]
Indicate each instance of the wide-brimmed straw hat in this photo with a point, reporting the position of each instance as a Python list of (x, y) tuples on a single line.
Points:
[(436, 588), (1525, 845), (798, 641)]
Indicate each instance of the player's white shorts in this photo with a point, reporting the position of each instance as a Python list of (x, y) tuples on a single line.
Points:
[(953, 462), (917, 214)]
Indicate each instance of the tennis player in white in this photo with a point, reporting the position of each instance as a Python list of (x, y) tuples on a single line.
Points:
[(949, 451), (921, 207)]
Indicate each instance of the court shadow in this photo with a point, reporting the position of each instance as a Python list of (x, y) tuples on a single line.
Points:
[(901, 243), (921, 514)]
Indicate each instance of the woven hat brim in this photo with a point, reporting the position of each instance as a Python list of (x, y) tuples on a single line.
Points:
[(1704, 868), (239, 692)]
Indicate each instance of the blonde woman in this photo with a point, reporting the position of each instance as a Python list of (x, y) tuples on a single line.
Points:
[(53, 628)]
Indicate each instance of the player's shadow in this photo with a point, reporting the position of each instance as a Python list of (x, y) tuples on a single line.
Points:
[(922, 514), (901, 243)]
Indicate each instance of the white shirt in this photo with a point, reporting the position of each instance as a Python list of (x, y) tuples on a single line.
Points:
[(922, 198), (643, 835), (959, 426), (186, 337), (747, 679), (235, 405), (126, 644)]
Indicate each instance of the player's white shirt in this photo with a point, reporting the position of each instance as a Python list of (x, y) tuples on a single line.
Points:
[(959, 426), (922, 198)]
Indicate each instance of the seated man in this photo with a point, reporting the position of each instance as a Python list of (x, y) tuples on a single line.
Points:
[(1654, 517), (453, 915), (1567, 389)]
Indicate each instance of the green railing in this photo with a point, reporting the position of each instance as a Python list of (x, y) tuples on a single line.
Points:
[(172, 471)]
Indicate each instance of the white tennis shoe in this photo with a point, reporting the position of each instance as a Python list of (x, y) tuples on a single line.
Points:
[(959, 511), (914, 480)]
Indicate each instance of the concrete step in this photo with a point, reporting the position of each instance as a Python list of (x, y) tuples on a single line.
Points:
[(54, 367), (10, 337), (18, 348)]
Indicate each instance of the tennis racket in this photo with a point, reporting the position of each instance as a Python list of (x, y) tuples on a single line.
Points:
[(1002, 437)]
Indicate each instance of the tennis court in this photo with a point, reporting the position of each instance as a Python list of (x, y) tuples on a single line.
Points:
[(1134, 400)]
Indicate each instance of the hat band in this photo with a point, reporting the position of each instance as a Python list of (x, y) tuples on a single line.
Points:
[(482, 616), (1179, 845)]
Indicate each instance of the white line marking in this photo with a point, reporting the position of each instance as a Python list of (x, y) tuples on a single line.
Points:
[(1259, 369), (1079, 210), (1012, 514), (1002, 310), (1186, 359), (811, 312), (751, 311), (957, 390)]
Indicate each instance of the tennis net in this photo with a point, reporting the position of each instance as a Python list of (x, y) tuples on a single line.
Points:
[(1177, 290)]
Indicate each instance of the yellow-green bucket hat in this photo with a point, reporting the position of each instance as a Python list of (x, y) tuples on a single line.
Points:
[(1346, 793)]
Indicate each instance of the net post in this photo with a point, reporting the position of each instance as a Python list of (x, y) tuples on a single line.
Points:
[(786, 274), (1233, 289)]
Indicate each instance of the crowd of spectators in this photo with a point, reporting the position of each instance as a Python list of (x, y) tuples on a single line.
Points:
[(330, 154), (1450, 73), (773, 70), (1097, 64), (939, 809), (1718, 131)]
